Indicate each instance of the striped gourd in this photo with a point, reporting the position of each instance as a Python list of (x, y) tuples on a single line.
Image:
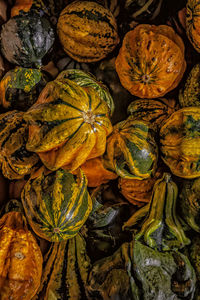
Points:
[(193, 23), (88, 80), (65, 271), (131, 150), (87, 31), (20, 88), (151, 61), (162, 229), (180, 142), (56, 204), (155, 111), (16, 161), (67, 125), (189, 95)]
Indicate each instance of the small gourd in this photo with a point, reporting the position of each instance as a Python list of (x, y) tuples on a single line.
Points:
[(193, 23)]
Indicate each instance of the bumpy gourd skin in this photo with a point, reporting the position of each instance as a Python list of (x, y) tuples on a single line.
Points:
[(68, 277), (151, 61), (162, 229), (180, 142), (193, 23), (21, 259), (189, 95), (67, 125), (131, 150), (57, 204)]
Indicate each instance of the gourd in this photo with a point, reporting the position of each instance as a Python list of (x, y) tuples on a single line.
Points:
[(68, 276), (87, 31), (96, 173), (162, 229), (151, 61), (189, 95), (26, 38), (138, 192), (15, 160), (20, 88), (56, 204), (193, 23), (85, 80), (21, 258), (131, 150), (155, 111), (179, 142), (67, 125)]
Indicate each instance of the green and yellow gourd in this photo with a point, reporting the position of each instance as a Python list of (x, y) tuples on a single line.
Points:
[(189, 95), (85, 80), (180, 142), (68, 125), (131, 150), (16, 161), (162, 229), (65, 271), (56, 204), (20, 88), (87, 31)]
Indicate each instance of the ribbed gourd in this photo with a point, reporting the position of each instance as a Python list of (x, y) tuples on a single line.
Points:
[(155, 111), (56, 204), (151, 61), (21, 258), (131, 150), (67, 125), (20, 88), (179, 142), (87, 31), (15, 160), (193, 23), (189, 95), (85, 80), (66, 268), (26, 38), (162, 229)]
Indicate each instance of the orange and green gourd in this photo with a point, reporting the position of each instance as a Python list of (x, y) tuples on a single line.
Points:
[(131, 150), (21, 258), (193, 23), (65, 273), (87, 31), (15, 160), (189, 95), (20, 88), (151, 61), (85, 80), (68, 125), (162, 229), (180, 142), (155, 111), (56, 204)]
